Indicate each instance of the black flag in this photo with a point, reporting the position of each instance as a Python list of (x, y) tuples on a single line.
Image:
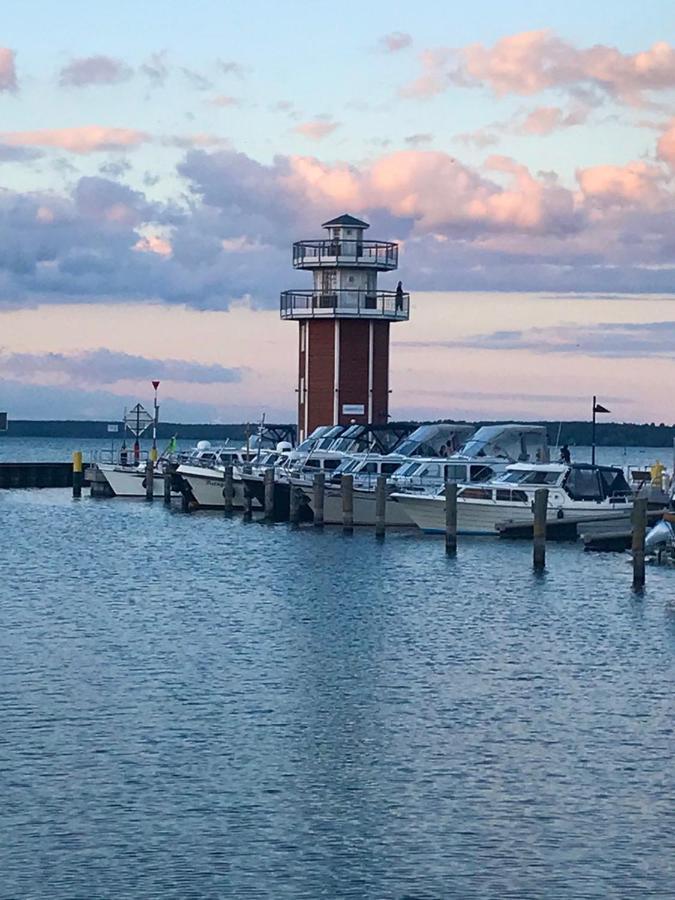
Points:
[(598, 408)]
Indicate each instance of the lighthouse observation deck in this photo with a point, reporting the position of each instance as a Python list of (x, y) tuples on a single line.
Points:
[(393, 306), (379, 256)]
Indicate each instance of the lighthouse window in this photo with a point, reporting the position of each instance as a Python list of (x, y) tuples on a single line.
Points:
[(351, 279), (349, 232)]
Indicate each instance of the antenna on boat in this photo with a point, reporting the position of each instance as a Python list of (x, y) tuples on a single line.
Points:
[(261, 428)]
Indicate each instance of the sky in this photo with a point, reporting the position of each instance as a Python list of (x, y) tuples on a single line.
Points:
[(158, 160)]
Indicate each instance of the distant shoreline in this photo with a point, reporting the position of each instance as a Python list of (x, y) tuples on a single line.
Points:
[(609, 434)]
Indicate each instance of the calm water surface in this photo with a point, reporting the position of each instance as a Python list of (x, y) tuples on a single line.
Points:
[(196, 707)]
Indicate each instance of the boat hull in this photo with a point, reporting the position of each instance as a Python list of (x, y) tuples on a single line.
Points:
[(482, 518), (206, 487), (130, 482), (396, 515)]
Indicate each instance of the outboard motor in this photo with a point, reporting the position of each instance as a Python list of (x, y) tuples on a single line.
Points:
[(660, 540)]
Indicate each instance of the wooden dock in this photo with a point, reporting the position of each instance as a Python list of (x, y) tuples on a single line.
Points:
[(610, 533)]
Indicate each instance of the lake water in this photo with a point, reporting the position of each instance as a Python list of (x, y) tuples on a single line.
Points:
[(197, 707)]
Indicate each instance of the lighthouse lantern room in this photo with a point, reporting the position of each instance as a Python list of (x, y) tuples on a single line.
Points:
[(343, 358)]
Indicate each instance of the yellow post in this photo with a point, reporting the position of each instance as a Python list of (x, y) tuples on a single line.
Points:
[(153, 454), (78, 476)]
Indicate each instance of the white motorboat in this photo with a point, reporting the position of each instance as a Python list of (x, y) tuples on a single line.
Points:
[(426, 460), (576, 491), (130, 480), (206, 480)]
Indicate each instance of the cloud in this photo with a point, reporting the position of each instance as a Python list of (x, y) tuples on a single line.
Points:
[(196, 80), (90, 70), (8, 80), (42, 401), (495, 227), (155, 68), (531, 62), (547, 119), (108, 367), (480, 138), (609, 340), (224, 100), (83, 139), (230, 67), (395, 41), (317, 129), (636, 184), (666, 144), (115, 168), (9, 153), (416, 140)]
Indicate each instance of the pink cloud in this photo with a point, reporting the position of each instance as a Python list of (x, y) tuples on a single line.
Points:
[(223, 100), (8, 80), (90, 70), (547, 119), (636, 184), (666, 144), (317, 129), (84, 139), (395, 41), (533, 61)]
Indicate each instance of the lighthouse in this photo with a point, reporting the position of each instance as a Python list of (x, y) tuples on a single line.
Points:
[(343, 348)]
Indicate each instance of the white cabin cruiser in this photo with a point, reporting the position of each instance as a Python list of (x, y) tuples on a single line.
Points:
[(440, 439), (576, 491), (205, 479), (482, 457)]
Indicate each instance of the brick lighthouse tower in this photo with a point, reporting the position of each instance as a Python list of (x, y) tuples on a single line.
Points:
[(343, 360)]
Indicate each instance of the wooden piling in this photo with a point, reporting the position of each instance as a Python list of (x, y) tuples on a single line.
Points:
[(167, 485), (539, 529), (294, 504), (639, 518), (348, 502), (228, 488), (149, 479), (78, 475), (268, 504), (380, 505), (319, 496), (450, 518)]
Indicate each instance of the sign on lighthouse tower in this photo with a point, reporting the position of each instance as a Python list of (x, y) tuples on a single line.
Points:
[(343, 355)]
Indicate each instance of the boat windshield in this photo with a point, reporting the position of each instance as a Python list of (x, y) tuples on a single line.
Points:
[(518, 443), (530, 476), (441, 439)]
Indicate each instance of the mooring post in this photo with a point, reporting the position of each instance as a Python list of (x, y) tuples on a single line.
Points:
[(638, 544), (166, 475), (149, 479), (78, 475), (348, 502), (268, 505), (539, 529), (380, 505), (294, 504), (450, 518), (319, 495), (228, 488)]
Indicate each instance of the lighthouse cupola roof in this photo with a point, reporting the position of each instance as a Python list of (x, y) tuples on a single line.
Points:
[(346, 221)]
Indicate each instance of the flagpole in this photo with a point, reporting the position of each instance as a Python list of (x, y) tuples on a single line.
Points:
[(593, 433)]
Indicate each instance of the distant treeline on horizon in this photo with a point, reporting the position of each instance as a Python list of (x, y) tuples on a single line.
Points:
[(608, 434)]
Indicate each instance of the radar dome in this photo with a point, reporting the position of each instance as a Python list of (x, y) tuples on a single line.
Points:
[(204, 445)]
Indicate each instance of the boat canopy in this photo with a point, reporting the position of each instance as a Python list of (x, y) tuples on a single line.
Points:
[(588, 482), (440, 439), (518, 443)]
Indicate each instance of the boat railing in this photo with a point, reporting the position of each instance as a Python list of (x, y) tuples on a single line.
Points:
[(118, 457)]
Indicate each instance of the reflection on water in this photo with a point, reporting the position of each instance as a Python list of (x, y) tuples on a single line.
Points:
[(195, 707)]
